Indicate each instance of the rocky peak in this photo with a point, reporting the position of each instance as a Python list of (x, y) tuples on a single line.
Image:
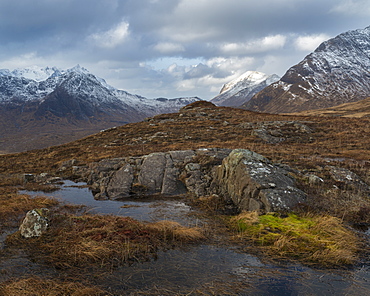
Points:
[(336, 72), (240, 90)]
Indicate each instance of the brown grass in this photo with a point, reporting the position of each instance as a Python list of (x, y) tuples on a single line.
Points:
[(173, 231), (13, 205), (217, 127), (102, 240), (35, 286)]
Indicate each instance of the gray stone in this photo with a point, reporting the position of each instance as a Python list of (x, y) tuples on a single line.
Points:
[(120, 184), (313, 179), (181, 156), (192, 167), (35, 223), (152, 172), (348, 178), (251, 181)]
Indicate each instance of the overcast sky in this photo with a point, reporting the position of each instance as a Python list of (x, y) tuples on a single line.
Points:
[(171, 48)]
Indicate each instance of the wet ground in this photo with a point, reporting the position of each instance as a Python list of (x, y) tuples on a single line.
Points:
[(215, 268)]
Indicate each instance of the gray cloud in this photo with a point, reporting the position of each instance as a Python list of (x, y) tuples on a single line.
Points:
[(171, 47)]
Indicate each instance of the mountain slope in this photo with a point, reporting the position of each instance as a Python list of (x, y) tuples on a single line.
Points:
[(242, 89), (67, 105), (354, 110), (337, 72)]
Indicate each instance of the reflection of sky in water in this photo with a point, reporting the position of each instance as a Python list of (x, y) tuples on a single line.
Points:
[(144, 210), (202, 266)]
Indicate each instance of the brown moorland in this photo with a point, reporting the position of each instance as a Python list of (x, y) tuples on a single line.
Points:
[(353, 110), (317, 143), (335, 141), (198, 126)]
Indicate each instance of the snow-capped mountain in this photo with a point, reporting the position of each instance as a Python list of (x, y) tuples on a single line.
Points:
[(38, 100), (40, 84), (242, 89), (337, 72)]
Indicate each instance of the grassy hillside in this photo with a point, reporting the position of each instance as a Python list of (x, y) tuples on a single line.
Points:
[(351, 110), (208, 126)]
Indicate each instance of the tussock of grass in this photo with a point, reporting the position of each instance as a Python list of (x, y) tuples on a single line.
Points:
[(13, 205), (34, 286), (102, 240), (175, 231), (320, 239)]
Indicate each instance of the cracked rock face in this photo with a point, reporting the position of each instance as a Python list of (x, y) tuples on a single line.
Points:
[(253, 183)]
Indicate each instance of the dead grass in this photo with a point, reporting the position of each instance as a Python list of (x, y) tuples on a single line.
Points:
[(173, 231), (322, 240), (199, 128), (14, 205), (35, 286), (102, 241)]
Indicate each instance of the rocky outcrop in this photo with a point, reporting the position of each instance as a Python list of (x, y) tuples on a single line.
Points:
[(253, 183), (348, 179), (35, 223), (166, 173), (246, 178), (273, 132)]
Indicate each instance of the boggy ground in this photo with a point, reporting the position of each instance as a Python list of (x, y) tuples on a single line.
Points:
[(339, 142)]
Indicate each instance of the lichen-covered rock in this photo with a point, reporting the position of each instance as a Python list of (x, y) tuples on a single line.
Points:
[(35, 223), (347, 177), (253, 183)]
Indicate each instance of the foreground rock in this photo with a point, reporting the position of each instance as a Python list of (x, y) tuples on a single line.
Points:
[(246, 178), (253, 183), (35, 223)]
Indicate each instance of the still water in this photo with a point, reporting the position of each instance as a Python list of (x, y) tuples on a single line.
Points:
[(208, 269)]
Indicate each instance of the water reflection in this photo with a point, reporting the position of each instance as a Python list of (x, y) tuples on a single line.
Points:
[(143, 209)]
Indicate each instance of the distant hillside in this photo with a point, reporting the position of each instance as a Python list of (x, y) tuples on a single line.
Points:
[(354, 110), (337, 72)]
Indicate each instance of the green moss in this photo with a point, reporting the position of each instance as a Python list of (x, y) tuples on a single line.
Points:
[(321, 240)]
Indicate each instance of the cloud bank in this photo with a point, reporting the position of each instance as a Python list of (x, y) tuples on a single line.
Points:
[(171, 48)]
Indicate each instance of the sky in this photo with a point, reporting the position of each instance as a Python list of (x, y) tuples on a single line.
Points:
[(171, 48)]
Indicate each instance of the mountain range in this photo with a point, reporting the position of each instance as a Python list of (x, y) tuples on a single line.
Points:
[(40, 107), (337, 72)]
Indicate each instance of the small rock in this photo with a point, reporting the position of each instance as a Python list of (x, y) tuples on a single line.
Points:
[(35, 223)]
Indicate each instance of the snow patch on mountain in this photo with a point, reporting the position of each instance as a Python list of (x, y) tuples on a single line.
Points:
[(37, 84), (241, 89)]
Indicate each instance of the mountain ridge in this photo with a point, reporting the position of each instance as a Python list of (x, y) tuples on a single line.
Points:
[(336, 72), (65, 101)]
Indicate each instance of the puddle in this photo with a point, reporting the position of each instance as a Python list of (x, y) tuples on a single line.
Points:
[(150, 210), (205, 269)]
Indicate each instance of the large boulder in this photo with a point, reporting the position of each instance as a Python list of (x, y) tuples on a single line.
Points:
[(253, 183)]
